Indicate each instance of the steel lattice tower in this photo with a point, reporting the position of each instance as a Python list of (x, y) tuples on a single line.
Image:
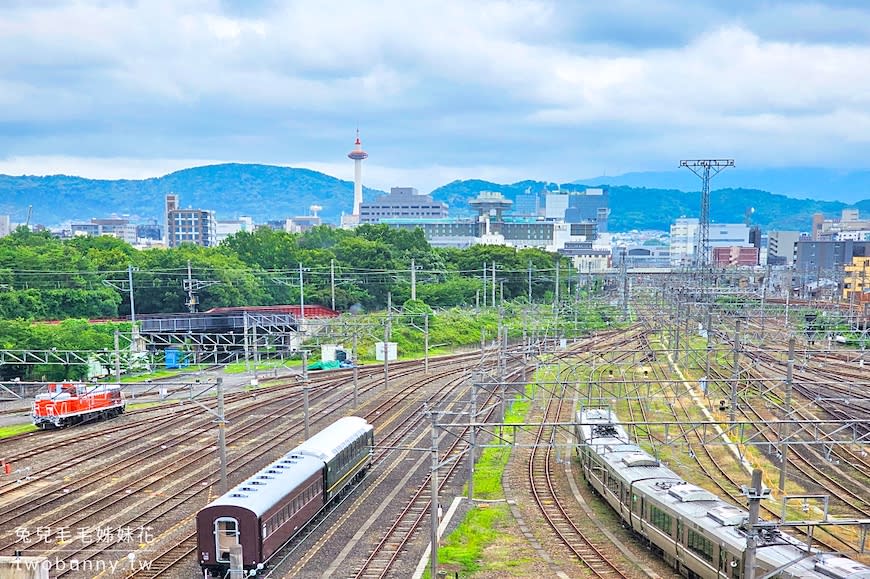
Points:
[(706, 169)]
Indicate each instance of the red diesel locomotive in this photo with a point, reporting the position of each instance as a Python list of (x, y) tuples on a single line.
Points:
[(68, 403)]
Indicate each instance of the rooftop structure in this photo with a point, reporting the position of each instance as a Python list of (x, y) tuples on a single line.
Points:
[(490, 204)]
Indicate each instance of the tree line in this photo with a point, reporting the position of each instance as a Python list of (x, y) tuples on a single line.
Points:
[(44, 278)]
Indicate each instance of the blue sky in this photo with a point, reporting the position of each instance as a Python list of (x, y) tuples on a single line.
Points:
[(440, 89)]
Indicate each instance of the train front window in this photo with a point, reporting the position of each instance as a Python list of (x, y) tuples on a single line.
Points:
[(226, 535)]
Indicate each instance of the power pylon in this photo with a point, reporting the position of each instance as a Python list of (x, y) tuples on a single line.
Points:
[(706, 169)]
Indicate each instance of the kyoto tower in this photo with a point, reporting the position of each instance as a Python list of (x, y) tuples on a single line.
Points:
[(357, 155)]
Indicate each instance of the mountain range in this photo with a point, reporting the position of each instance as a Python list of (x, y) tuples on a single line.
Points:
[(800, 182), (267, 192)]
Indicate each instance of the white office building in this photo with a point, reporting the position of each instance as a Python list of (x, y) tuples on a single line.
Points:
[(684, 238)]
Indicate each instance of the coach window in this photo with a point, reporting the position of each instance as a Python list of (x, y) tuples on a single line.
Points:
[(660, 519), (226, 534), (701, 545)]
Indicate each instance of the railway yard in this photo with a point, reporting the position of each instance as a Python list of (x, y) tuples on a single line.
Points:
[(713, 388)]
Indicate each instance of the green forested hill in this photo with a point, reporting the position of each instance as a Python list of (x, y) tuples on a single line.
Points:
[(645, 208), (261, 191), (269, 192)]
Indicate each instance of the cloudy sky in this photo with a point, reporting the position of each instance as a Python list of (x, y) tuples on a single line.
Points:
[(440, 89)]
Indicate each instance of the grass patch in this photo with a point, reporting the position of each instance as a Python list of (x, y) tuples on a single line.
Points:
[(466, 544), (480, 530), (241, 367), (140, 405), (13, 429), (157, 374)]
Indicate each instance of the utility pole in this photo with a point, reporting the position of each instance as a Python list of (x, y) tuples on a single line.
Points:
[(433, 505), (484, 284), (624, 273), (237, 569), (501, 351), (735, 375), (676, 319), (413, 280), (117, 357), (763, 295), (256, 354), (192, 286), (332, 281), (132, 302), (426, 343), (492, 302), (755, 494), (305, 390), (301, 295), (472, 441), (558, 267), (355, 371), (387, 327), (222, 442), (530, 281), (245, 329), (709, 344), (482, 344), (783, 451), (706, 169), (191, 294)]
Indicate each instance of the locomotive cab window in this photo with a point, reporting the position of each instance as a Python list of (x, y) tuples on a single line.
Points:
[(226, 535)]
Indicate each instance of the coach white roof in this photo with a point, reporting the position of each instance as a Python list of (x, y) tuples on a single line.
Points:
[(605, 436), (262, 491), (842, 568), (327, 443)]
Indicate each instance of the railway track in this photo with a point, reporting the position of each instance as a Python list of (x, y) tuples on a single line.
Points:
[(167, 557), (386, 552), (548, 499), (168, 505), (764, 370)]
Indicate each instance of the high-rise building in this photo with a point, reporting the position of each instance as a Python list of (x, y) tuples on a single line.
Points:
[(684, 238), (526, 205), (555, 205), (171, 205), (782, 247), (856, 282), (196, 226), (5, 226), (591, 205)]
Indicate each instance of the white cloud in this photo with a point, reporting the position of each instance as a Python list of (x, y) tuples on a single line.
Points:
[(96, 167), (550, 84)]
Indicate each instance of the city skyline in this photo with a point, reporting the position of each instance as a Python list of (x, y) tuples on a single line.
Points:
[(501, 91)]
